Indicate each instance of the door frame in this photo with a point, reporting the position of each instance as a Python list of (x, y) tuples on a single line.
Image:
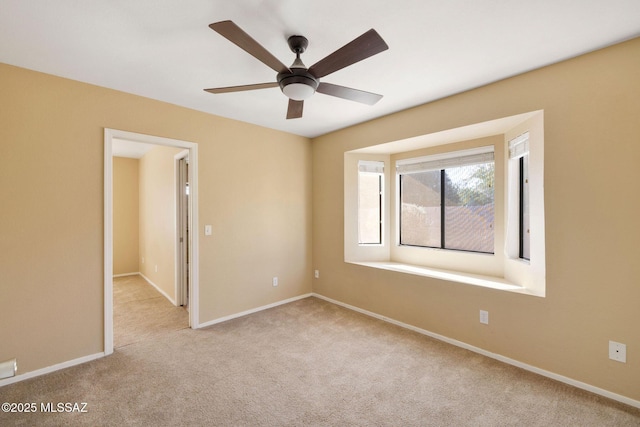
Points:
[(182, 230), (109, 135)]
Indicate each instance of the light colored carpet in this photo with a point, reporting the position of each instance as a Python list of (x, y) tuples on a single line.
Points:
[(307, 363), (140, 312)]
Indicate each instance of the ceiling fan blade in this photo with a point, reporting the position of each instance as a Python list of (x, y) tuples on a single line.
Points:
[(368, 44), (241, 88), (244, 41), (295, 109), (349, 93)]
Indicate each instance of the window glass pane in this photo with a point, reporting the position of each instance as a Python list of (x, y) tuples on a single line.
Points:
[(369, 209), (420, 209), (525, 208), (469, 208)]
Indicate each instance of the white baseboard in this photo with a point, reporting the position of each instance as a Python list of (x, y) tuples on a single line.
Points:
[(504, 359), (253, 310), (137, 273), (89, 358), (126, 274), (50, 369), (173, 301)]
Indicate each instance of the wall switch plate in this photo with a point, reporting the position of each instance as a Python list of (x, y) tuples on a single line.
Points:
[(275, 281), (484, 317), (207, 230), (316, 274), (617, 351)]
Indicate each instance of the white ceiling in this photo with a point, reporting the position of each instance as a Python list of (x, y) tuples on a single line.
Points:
[(163, 49)]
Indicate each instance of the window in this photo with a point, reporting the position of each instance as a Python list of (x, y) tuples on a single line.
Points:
[(519, 160), (525, 231), (466, 205), (370, 174), (447, 201)]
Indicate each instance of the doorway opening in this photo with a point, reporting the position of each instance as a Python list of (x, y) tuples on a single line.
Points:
[(186, 251)]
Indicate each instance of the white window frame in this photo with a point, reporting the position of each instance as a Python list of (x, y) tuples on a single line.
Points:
[(464, 262), (530, 274), (352, 249), (518, 148)]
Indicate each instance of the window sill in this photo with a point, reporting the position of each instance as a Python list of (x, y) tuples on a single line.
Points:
[(491, 282)]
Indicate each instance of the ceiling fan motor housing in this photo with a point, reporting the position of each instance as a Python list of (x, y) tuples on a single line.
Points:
[(298, 84)]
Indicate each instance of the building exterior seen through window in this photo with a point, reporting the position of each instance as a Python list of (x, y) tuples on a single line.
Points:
[(370, 181), (448, 204)]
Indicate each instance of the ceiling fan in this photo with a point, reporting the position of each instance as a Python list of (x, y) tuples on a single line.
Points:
[(298, 82)]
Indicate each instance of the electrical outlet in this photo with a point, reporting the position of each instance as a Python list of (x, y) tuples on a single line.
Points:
[(156, 268), (275, 281), (8, 369), (316, 274), (484, 317), (617, 351)]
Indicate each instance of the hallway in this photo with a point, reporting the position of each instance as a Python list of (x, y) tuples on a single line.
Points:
[(141, 313)]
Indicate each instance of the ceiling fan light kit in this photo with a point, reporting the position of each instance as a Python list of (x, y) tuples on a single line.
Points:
[(298, 82), (298, 88)]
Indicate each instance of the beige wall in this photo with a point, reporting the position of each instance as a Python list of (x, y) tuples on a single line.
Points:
[(158, 218), (591, 107), (51, 185), (125, 216), (51, 220)]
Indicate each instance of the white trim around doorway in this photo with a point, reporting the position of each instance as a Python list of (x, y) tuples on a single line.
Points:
[(109, 135)]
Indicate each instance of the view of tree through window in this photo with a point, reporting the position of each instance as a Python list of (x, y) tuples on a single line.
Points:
[(466, 193)]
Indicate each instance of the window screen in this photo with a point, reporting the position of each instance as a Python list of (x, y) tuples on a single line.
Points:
[(370, 202), (448, 201)]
